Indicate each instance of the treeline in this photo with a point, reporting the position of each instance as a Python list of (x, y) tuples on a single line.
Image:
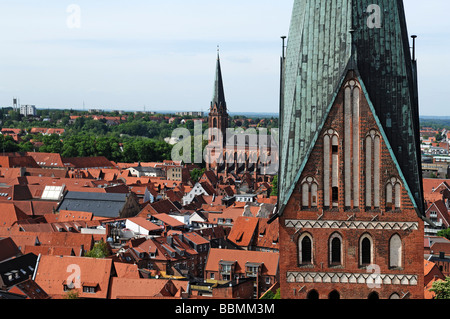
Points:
[(126, 149), (437, 124), (138, 137)]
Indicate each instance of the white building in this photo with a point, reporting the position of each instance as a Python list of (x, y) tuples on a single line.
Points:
[(28, 110)]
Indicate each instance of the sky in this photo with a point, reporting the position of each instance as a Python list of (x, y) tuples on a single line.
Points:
[(161, 55)]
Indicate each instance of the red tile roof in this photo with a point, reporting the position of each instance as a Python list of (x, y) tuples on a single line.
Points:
[(241, 257), (10, 214), (88, 162), (124, 270), (52, 272), (129, 288), (243, 231), (18, 161), (268, 234), (8, 249), (47, 159), (148, 225), (71, 215), (49, 250), (29, 289)]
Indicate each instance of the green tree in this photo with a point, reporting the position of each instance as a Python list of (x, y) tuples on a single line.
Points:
[(271, 295), (444, 233), (274, 186), (100, 250), (72, 294), (7, 144), (441, 288), (196, 174)]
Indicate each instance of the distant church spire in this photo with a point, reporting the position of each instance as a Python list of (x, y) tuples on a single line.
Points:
[(219, 93), (218, 115)]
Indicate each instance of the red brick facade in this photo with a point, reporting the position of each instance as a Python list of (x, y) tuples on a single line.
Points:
[(348, 276)]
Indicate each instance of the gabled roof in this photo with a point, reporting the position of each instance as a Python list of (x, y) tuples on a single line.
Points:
[(70, 215), (268, 234), (49, 250), (130, 288), (243, 231), (17, 269), (440, 207), (59, 239), (168, 220), (30, 289), (124, 270), (8, 249), (88, 162), (144, 223), (321, 48), (100, 204), (10, 214), (47, 159), (269, 260), (195, 238), (52, 274)]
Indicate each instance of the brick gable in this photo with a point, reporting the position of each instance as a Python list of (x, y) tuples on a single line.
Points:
[(349, 220)]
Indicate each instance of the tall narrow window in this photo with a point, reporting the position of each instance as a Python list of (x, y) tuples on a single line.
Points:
[(365, 251), (309, 192), (351, 143), (376, 171), (331, 167), (372, 170), (397, 195), (335, 250), (305, 195), (368, 171), (393, 194), (395, 252), (356, 146), (335, 194), (305, 249), (335, 171), (326, 171), (348, 121)]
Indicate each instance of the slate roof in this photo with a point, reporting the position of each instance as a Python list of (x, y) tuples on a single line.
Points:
[(320, 50), (17, 270), (100, 204)]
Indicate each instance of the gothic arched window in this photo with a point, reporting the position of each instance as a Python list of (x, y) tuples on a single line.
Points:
[(335, 248), (395, 251), (365, 250), (305, 249)]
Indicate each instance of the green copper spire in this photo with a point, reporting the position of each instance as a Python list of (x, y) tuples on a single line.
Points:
[(326, 39), (219, 93)]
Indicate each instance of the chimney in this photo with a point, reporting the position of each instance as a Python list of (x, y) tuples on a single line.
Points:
[(441, 255)]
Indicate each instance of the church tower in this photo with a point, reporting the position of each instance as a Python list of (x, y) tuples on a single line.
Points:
[(218, 115), (351, 206)]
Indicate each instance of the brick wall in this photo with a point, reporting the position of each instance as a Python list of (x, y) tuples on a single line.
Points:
[(412, 239)]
